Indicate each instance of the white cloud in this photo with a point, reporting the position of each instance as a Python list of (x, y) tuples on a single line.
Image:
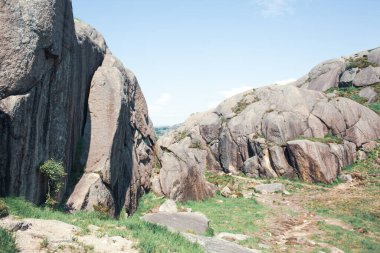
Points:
[(276, 7), (163, 99), (287, 81), (234, 91)]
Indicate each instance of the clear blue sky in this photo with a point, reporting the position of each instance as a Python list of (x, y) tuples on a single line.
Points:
[(188, 55)]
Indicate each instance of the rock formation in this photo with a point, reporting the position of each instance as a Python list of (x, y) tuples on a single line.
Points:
[(274, 131), (61, 88)]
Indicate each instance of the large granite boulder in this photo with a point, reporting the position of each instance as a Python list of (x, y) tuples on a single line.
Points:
[(268, 132), (57, 81), (360, 69)]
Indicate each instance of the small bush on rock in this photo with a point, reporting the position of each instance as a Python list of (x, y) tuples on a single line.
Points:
[(3, 209), (55, 173), (360, 62)]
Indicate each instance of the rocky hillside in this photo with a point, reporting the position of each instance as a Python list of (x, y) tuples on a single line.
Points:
[(64, 96), (276, 131)]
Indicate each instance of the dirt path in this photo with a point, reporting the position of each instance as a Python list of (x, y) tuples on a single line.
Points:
[(289, 227)]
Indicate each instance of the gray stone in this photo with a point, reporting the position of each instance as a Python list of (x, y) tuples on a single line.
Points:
[(226, 192), (270, 188), (367, 76), (196, 223), (368, 93), (169, 206), (232, 237), (216, 245), (345, 177), (348, 76), (48, 78)]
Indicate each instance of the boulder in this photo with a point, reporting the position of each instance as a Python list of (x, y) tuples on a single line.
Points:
[(367, 76), (195, 223), (348, 76), (319, 162), (53, 105), (270, 188), (226, 192), (169, 206), (368, 93), (256, 129)]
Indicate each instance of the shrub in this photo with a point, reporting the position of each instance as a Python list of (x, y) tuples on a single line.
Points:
[(359, 62), (240, 106), (181, 135), (3, 209), (55, 173)]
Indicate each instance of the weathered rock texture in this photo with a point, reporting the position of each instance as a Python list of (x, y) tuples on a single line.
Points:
[(59, 87), (361, 69), (269, 132)]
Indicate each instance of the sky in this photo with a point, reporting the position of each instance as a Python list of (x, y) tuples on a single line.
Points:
[(189, 55)]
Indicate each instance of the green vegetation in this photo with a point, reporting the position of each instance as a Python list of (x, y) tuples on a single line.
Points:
[(181, 135), (240, 106), (352, 92), (360, 208), (196, 144), (359, 62), (55, 173), (151, 238), (329, 138), (7, 242), (243, 215), (3, 209), (348, 241)]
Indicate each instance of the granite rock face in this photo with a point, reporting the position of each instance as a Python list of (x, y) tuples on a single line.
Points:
[(361, 69), (52, 101), (268, 132)]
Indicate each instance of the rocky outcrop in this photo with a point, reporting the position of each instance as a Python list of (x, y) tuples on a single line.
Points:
[(57, 81), (361, 69), (269, 132)]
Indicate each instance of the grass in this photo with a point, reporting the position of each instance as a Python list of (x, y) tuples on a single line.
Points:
[(348, 241), (7, 242), (329, 138), (360, 209), (151, 238), (233, 215), (240, 106), (181, 135), (352, 93), (196, 144)]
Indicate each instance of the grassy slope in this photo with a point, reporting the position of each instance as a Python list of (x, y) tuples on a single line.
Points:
[(7, 243), (358, 206), (151, 238)]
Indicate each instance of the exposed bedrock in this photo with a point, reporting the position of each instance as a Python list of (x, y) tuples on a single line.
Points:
[(268, 132), (60, 89)]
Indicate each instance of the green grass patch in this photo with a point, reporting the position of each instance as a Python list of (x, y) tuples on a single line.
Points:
[(329, 138), (3, 209), (359, 62), (348, 241), (233, 215), (352, 93), (151, 238), (181, 135), (7, 242)]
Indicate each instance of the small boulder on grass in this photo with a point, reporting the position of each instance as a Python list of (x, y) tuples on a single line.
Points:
[(169, 206), (226, 192), (3, 209), (270, 188)]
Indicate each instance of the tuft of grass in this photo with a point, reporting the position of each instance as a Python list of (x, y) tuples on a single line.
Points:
[(329, 138), (44, 243), (150, 237), (7, 242), (240, 106), (352, 93), (196, 144), (181, 135), (359, 62)]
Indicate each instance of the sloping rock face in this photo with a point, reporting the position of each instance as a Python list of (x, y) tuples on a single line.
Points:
[(57, 81), (361, 69), (269, 132)]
